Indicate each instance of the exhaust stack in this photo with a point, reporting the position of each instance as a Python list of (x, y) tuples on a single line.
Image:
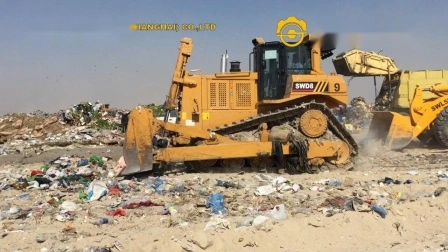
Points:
[(224, 58)]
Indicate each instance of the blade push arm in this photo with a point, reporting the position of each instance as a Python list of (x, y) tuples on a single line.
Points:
[(179, 76)]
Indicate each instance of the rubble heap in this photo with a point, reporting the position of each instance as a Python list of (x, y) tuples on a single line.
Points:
[(356, 116), (84, 123)]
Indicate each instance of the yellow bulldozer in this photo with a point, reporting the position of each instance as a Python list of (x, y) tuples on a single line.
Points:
[(276, 114), (410, 105)]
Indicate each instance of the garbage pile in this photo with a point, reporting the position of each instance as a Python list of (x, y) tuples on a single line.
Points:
[(83, 113), (84, 193), (356, 116), (84, 123)]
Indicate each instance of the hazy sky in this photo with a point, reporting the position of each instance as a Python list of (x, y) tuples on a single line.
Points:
[(54, 54)]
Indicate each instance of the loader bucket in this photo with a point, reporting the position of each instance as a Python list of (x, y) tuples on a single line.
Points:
[(137, 148), (395, 130)]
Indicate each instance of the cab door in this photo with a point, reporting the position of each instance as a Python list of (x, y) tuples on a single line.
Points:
[(271, 71)]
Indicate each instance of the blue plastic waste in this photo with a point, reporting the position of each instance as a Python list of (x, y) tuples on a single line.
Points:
[(216, 203), (24, 196), (334, 183), (379, 210), (83, 162), (160, 189), (159, 185), (158, 182)]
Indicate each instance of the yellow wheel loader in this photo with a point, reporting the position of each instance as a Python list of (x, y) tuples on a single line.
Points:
[(410, 105), (276, 114)]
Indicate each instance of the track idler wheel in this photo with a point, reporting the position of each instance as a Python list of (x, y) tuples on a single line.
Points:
[(342, 155), (313, 123)]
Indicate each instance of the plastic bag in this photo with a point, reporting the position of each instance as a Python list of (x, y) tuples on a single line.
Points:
[(379, 210), (97, 189), (159, 185), (216, 203), (279, 212), (69, 206)]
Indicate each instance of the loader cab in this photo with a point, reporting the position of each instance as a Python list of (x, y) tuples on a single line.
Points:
[(274, 62)]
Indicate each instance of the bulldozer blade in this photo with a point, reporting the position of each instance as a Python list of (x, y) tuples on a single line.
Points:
[(393, 129), (137, 148)]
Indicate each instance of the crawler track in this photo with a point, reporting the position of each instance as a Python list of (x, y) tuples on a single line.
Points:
[(289, 114)]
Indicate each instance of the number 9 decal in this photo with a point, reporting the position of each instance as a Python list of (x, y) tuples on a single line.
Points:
[(337, 87)]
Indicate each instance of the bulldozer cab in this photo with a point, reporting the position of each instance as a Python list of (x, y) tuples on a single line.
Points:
[(274, 62)]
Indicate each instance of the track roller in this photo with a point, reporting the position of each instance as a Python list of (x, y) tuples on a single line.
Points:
[(265, 163), (208, 163), (233, 163)]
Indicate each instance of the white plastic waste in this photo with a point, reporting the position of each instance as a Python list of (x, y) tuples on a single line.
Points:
[(217, 222), (85, 171), (69, 206), (97, 189), (260, 219), (279, 212), (265, 190)]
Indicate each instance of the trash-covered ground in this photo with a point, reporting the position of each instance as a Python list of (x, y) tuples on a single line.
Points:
[(71, 201)]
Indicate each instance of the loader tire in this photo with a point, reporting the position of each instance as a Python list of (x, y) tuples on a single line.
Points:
[(428, 139), (440, 128)]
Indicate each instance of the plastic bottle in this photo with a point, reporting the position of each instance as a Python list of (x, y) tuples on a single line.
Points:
[(160, 189), (102, 221), (334, 183), (24, 196), (44, 168)]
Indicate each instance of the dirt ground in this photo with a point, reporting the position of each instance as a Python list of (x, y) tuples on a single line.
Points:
[(114, 152), (415, 220)]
